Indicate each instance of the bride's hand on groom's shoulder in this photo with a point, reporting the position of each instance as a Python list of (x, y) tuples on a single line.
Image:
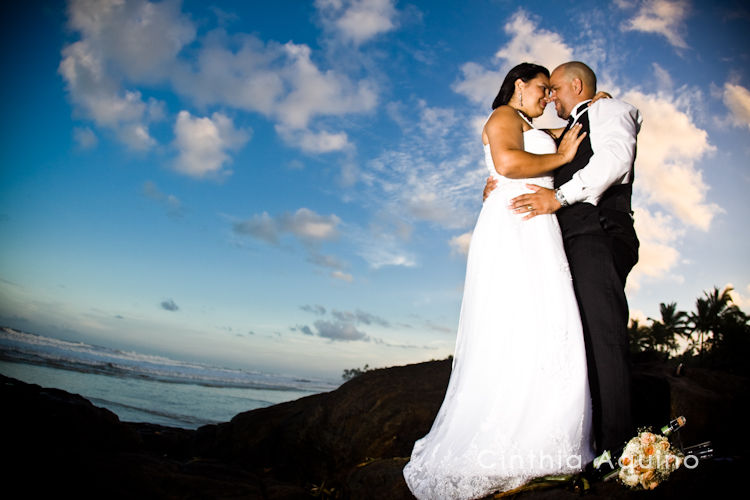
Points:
[(600, 95)]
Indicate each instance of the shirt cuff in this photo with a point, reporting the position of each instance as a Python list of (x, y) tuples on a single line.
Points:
[(573, 191)]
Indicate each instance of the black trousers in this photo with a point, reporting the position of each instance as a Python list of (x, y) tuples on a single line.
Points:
[(602, 250)]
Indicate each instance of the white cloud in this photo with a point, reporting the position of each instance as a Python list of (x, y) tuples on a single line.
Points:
[(262, 227), (315, 92), (669, 145), (128, 46), (279, 81), (657, 255), (383, 249), (434, 176), (737, 100), (100, 98), (460, 244), (740, 299), (306, 225), (85, 137), (140, 38), (531, 43), (360, 317), (136, 136), (663, 78), (429, 183), (239, 71), (203, 143), (314, 142), (640, 316), (314, 308), (343, 325), (169, 305), (135, 40), (670, 194), (170, 201), (326, 261), (310, 226), (357, 21), (663, 17), (348, 176), (436, 122), (340, 275), (528, 42), (479, 84), (338, 330)]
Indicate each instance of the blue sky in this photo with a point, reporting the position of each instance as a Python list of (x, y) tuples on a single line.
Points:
[(290, 186)]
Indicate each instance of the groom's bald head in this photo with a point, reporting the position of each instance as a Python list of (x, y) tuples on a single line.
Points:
[(571, 83), (576, 69)]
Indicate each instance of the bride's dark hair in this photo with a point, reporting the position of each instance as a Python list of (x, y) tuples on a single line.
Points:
[(525, 71)]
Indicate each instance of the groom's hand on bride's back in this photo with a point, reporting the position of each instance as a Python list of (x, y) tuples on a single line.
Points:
[(491, 184)]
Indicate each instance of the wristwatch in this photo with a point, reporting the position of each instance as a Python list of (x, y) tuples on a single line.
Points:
[(561, 198)]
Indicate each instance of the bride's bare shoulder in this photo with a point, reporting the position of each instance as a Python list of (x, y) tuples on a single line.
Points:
[(504, 116), (504, 122), (504, 112)]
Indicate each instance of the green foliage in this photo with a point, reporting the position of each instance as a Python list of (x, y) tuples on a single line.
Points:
[(350, 373), (716, 334)]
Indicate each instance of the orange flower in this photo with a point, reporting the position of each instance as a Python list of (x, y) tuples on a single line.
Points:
[(649, 450), (651, 485), (647, 479)]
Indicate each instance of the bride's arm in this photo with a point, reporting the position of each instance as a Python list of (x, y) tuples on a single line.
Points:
[(505, 137)]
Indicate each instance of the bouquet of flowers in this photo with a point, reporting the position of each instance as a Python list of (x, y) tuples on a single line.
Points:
[(643, 463), (647, 460)]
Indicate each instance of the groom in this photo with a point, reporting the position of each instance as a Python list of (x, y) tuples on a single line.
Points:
[(592, 202)]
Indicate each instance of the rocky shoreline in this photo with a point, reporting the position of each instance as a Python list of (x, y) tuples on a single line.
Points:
[(348, 443)]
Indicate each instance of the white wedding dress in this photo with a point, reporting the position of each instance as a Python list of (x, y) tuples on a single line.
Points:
[(517, 404)]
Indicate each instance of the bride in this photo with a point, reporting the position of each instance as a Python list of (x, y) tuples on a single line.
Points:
[(517, 404)]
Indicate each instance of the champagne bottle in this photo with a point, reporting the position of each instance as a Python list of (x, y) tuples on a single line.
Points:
[(673, 426), (701, 451), (607, 465)]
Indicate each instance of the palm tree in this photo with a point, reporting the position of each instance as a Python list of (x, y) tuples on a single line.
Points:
[(710, 310), (640, 336), (731, 347), (672, 324)]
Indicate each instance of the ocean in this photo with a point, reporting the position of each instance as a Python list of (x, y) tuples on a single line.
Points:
[(144, 388)]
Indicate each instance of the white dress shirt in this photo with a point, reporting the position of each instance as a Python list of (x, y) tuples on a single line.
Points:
[(613, 126)]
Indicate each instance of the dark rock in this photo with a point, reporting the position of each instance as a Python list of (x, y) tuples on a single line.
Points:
[(349, 443), (166, 441), (383, 476), (322, 437), (52, 420)]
